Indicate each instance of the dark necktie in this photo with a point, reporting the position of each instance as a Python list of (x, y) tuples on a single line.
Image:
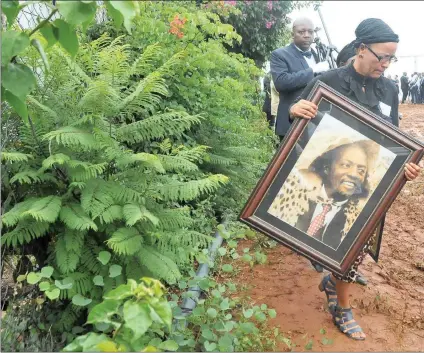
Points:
[(307, 54)]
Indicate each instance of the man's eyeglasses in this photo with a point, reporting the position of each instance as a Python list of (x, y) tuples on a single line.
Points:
[(383, 58)]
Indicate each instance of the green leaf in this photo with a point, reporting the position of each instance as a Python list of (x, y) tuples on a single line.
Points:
[(225, 305), (44, 286), (222, 251), (66, 283), (104, 257), (98, 281), (119, 293), (137, 318), (17, 104), (53, 294), (79, 300), (37, 45), (326, 341), (33, 278), (225, 343), (169, 345), (322, 331), (212, 313), (21, 278), (67, 36), (248, 313), (50, 33), (264, 307), (11, 9), (210, 347), (164, 312), (46, 272), (227, 268), (12, 43), (101, 313), (308, 346), (115, 271), (260, 317), (77, 12), (272, 313), (122, 11), (18, 79)]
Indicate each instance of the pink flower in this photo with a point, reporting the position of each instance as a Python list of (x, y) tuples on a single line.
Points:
[(269, 4), (268, 24), (231, 2)]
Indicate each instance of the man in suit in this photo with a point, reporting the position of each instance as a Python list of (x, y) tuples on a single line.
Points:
[(292, 68), (404, 86)]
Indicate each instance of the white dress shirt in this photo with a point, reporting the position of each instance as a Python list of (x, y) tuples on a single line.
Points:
[(310, 61), (335, 207)]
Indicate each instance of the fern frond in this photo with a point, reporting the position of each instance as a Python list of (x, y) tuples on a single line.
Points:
[(83, 171), (24, 232), (125, 194), (150, 160), (15, 157), (158, 126), (58, 158), (95, 198), (144, 64), (73, 66), (219, 160), (89, 261), (195, 154), (146, 95), (83, 283), (125, 241), (45, 209), (42, 107), (110, 214), (32, 176), (68, 318), (70, 136), (74, 217), (177, 164), (161, 266), (175, 218), (68, 250), (12, 217), (168, 68), (134, 213), (190, 190), (100, 96)]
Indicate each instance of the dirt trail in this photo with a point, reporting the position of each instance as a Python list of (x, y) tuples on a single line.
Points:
[(390, 309)]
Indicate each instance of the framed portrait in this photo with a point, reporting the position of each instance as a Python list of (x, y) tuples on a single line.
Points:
[(331, 181), (374, 250)]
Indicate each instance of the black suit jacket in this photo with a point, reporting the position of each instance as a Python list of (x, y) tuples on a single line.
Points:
[(333, 234), (290, 74), (404, 83)]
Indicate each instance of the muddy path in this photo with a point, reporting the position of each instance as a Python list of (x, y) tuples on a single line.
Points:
[(390, 309)]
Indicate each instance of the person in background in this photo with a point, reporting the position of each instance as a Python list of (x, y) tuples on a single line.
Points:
[(404, 86), (362, 81), (396, 82), (266, 108), (292, 68), (414, 88), (422, 88)]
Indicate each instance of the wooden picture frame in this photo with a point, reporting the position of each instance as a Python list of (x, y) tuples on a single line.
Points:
[(273, 211)]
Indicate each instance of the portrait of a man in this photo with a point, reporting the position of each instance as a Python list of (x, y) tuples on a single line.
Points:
[(324, 199)]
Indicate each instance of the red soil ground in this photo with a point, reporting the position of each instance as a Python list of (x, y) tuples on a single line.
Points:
[(390, 309)]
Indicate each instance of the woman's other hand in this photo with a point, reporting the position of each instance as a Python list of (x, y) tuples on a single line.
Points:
[(303, 109)]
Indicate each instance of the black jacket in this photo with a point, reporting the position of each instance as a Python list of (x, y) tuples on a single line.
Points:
[(333, 234), (404, 83), (290, 73)]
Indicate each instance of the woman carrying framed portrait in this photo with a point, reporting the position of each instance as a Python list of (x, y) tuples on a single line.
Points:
[(340, 175)]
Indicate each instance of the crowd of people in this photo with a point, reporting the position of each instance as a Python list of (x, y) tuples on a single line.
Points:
[(412, 87), (294, 69)]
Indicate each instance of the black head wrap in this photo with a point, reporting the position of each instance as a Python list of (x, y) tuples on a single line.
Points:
[(346, 53), (374, 30)]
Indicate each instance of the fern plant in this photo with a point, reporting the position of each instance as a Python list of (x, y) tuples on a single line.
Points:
[(102, 173)]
